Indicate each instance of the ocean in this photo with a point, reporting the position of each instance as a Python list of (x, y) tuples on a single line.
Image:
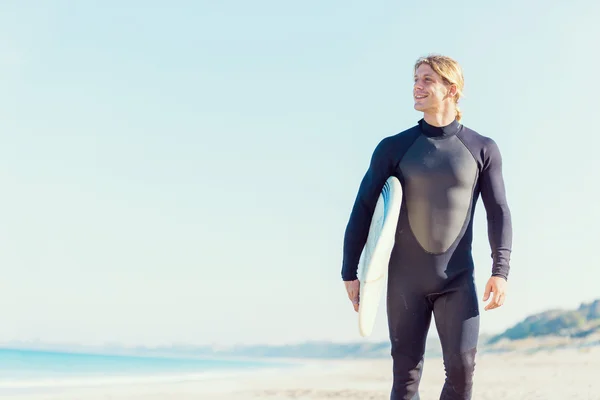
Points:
[(34, 370)]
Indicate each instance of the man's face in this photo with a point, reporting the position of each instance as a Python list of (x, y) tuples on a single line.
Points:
[(429, 91)]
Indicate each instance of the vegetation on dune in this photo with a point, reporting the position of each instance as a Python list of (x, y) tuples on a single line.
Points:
[(573, 323)]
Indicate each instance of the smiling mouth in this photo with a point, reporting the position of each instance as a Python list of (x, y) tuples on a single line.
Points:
[(420, 96)]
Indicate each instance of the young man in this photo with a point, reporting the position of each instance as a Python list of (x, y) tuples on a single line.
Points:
[(443, 167)]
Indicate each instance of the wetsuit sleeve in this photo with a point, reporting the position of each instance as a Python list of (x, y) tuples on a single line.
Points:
[(358, 225), (499, 222)]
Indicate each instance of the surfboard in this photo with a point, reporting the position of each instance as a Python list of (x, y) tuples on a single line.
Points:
[(375, 257)]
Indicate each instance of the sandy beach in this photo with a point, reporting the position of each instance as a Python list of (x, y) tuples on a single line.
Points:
[(548, 375)]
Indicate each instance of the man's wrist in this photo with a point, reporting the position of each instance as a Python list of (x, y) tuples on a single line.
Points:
[(499, 275)]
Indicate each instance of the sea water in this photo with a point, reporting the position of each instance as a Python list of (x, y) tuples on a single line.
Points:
[(32, 369)]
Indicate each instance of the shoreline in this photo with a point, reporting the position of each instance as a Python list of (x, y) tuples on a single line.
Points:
[(548, 375)]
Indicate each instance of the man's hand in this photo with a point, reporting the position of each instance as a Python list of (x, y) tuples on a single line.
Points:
[(496, 285), (353, 287)]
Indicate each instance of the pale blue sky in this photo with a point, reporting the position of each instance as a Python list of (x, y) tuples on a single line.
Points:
[(184, 171)]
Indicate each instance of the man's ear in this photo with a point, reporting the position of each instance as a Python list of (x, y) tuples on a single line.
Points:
[(452, 90)]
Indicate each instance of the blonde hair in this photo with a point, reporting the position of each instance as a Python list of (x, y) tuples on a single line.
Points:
[(450, 71)]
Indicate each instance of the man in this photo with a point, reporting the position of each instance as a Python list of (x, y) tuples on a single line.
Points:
[(443, 167)]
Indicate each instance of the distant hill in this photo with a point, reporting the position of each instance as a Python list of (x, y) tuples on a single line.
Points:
[(574, 324), (310, 350), (322, 350)]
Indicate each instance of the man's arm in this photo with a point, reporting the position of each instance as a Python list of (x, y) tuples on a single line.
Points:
[(499, 221), (358, 225)]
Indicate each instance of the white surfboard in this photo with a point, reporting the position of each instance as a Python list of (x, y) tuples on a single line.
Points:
[(375, 257)]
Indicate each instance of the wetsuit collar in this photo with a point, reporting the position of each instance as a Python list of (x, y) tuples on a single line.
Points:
[(443, 131)]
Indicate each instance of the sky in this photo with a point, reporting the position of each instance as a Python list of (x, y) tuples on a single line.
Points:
[(183, 172)]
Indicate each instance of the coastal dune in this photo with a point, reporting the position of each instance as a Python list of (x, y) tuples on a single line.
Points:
[(544, 375)]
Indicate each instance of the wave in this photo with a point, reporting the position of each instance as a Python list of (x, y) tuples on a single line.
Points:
[(87, 381)]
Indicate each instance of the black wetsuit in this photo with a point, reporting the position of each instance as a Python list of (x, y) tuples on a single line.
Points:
[(443, 171)]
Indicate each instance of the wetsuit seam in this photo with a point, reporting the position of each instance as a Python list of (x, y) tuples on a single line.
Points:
[(397, 164), (469, 214), (468, 149)]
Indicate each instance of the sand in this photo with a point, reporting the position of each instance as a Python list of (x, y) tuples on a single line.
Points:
[(560, 374)]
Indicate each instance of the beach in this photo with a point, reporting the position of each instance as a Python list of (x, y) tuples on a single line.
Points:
[(545, 375)]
